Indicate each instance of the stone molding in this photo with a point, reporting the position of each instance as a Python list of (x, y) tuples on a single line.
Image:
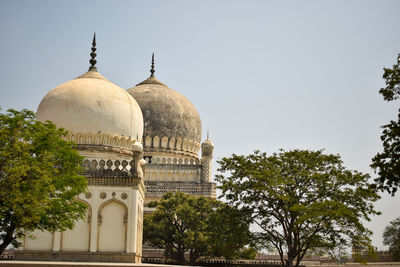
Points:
[(74, 256), (199, 189), (113, 181), (173, 167)]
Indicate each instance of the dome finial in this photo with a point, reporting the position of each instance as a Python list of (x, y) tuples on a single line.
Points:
[(93, 60), (208, 135), (152, 66)]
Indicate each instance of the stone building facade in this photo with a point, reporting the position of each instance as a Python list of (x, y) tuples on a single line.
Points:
[(107, 125), (137, 145), (171, 142)]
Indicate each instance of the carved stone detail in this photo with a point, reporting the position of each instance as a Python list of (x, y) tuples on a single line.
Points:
[(171, 144), (157, 189), (116, 168), (102, 139), (113, 181)]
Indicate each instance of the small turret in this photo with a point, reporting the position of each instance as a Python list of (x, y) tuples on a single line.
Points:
[(207, 148)]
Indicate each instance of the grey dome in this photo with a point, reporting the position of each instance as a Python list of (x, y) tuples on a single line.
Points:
[(167, 113)]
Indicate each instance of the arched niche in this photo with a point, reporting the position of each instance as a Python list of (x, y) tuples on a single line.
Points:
[(147, 141), (156, 141), (164, 142), (112, 220)]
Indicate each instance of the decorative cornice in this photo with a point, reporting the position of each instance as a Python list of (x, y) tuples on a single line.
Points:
[(200, 189), (94, 141), (113, 181), (151, 166)]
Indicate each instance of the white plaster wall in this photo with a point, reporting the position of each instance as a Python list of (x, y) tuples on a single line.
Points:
[(133, 222), (96, 201), (77, 239), (113, 234), (112, 230), (41, 241)]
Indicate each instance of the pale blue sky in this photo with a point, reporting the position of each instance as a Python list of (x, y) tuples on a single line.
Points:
[(262, 74)]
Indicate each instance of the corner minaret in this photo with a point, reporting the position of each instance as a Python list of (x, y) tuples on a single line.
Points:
[(207, 148)]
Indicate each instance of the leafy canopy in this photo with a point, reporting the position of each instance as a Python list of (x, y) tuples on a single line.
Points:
[(387, 163), (39, 177), (391, 238), (392, 81), (299, 200), (196, 225)]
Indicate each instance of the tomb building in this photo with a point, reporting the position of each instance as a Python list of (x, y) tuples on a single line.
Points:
[(137, 145), (107, 124), (171, 142)]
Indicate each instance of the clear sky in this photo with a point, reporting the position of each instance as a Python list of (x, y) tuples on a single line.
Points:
[(263, 74)]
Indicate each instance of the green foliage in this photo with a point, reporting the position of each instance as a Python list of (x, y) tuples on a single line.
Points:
[(196, 225), (392, 80), (39, 177), (387, 163), (391, 238), (299, 200)]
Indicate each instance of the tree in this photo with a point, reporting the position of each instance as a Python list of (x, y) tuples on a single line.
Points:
[(299, 200), (196, 225), (39, 178), (387, 163), (391, 238), (392, 81)]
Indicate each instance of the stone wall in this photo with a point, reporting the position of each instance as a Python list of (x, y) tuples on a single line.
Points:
[(370, 264), (75, 264)]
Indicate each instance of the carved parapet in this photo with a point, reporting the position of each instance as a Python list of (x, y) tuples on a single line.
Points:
[(105, 142), (115, 168), (171, 159), (173, 144)]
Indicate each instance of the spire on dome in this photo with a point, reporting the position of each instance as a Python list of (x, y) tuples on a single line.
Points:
[(93, 60), (208, 135), (152, 70), (152, 79)]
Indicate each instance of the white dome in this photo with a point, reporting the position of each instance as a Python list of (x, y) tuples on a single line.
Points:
[(90, 104)]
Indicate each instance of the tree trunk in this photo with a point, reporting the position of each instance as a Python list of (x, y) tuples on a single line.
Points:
[(181, 256), (7, 240), (193, 257), (282, 259), (289, 262)]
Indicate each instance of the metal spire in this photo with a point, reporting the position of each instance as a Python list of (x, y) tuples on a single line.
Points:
[(208, 135), (93, 60), (152, 70)]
